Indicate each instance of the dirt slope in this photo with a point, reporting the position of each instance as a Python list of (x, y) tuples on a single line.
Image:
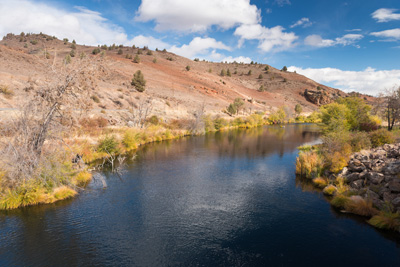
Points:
[(175, 91)]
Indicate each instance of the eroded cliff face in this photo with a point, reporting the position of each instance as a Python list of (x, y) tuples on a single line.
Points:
[(320, 97)]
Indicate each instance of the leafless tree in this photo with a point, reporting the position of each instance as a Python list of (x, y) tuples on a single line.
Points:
[(138, 112), (391, 106), (48, 111)]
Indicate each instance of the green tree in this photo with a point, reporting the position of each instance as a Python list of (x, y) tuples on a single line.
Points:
[(284, 68), (136, 59), (298, 109), (138, 81), (266, 68)]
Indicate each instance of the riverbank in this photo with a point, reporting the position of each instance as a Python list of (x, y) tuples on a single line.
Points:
[(63, 175), (366, 184)]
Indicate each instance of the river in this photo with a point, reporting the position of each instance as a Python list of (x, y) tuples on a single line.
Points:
[(223, 199)]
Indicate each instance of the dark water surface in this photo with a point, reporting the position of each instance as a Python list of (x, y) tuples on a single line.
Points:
[(225, 199)]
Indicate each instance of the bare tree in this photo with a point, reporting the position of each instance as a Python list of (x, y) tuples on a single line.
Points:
[(47, 112), (138, 112), (391, 106)]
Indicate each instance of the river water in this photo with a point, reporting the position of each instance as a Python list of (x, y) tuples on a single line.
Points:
[(224, 199)]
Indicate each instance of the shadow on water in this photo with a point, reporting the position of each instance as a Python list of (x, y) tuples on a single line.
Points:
[(224, 199)]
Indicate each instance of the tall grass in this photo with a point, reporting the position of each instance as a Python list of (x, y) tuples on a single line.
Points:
[(309, 165)]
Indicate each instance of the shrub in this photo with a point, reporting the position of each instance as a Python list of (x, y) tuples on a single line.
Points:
[(339, 201), (381, 137), (65, 40), (95, 98), (187, 67), (130, 139), (138, 81), (260, 76), (320, 182), (208, 124), (223, 73), (336, 150), (249, 73), (7, 92), (153, 120), (220, 123), (120, 52), (309, 165), (34, 42), (72, 53), (360, 141), (63, 192), (154, 60), (108, 144), (149, 53), (170, 58), (228, 73), (73, 46), (386, 220), (136, 59), (96, 51), (82, 178), (261, 89), (360, 206), (67, 59), (284, 68), (329, 190)]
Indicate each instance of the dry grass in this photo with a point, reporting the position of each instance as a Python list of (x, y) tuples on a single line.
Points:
[(360, 206), (82, 178), (386, 220), (63, 192), (308, 165), (320, 182), (329, 190), (7, 92), (339, 201)]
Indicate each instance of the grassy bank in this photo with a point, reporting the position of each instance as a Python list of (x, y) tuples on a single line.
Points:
[(57, 178)]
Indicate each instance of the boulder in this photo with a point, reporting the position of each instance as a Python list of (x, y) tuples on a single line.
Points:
[(394, 186), (358, 184), (396, 202), (392, 168), (356, 166), (351, 177), (375, 178)]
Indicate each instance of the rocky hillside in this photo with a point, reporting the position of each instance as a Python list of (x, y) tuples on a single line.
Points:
[(176, 85)]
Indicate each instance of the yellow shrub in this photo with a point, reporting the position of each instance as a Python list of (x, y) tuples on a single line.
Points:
[(82, 178), (386, 220), (63, 192), (320, 182), (360, 206), (330, 190), (308, 165)]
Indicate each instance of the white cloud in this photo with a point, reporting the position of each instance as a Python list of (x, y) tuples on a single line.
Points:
[(391, 34), (148, 41), (270, 39), (317, 41), (83, 25), (385, 15), (198, 46), (197, 16), (303, 22), (369, 81), (353, 30), (239, 59)]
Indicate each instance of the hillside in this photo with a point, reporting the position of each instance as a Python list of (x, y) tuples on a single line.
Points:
[(175, 91)]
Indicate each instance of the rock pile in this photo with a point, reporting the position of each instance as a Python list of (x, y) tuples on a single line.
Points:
[(375, 174)]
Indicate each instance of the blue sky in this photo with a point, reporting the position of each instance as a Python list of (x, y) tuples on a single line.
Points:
[(351, 45)]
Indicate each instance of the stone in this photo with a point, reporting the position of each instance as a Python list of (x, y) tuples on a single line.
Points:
[(396, 202), (392, 168), (394, 186), (344, 171), (130, 124), (388, 197), (358, 184), (375, 178), (352, 177)]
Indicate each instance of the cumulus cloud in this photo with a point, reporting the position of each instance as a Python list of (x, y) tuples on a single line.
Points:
[(270, 39), (385, 15), (83, 25), (317, 41), (303, 22), (240, 59), (369, 81), (148, 41), (199, 46), (393, 34), (197, 16)]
